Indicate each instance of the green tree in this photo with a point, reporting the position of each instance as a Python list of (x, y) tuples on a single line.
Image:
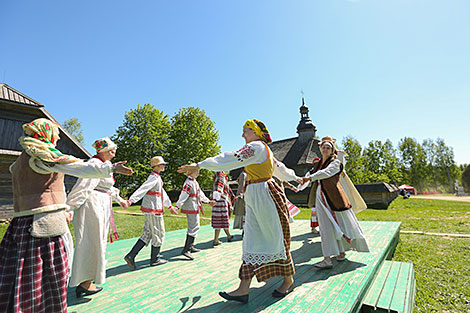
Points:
[(193, 138), (355, 163), (466, 179), (143, 134), (413, 162), (381, 163), (74, 128)]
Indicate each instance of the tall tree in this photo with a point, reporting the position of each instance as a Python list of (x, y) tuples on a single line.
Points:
[(74, 128), (413, 162), (355, 163), (143, 134), (466, 179), (193, 138)]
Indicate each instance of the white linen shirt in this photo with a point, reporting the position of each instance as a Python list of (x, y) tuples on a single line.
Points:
[(155, 197), (191, 197)]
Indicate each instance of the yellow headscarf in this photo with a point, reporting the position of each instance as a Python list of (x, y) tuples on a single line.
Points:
[(260, 129)]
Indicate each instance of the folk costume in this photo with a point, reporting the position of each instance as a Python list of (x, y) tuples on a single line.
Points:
[(155, 199), (339, 228), (292, 208), (91, 199), (223, 196), (34, 260), (266, 240), (239, 203), (311, 200), (190, 202)]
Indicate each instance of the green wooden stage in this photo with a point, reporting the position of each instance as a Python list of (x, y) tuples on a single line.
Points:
[(192, 286)]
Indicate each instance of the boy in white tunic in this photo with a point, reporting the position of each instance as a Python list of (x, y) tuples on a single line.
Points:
[(154, 200), (190, 203)]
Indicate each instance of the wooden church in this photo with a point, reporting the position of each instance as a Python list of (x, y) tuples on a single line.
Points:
[(17, 109)]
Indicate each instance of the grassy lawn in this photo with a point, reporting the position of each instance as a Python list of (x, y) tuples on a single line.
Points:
[(442, 263)]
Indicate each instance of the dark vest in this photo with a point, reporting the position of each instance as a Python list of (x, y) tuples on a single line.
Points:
[(334, 193), (32, 190)]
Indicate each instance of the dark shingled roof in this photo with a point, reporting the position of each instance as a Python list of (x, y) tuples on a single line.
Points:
[(293, 151), (12, 95)]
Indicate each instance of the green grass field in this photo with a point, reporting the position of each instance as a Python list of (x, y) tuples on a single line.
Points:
[(442, 263)]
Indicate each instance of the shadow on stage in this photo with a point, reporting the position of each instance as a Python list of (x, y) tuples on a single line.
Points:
[(170, 255)]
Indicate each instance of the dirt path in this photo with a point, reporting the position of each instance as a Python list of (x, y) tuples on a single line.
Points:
[(437, 197)]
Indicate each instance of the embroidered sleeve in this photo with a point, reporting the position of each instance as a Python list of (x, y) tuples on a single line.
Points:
[(252, 153), (184, 195)]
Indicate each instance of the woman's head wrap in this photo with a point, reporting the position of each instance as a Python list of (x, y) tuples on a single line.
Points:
[(104, 144), (330, 141), (260, 129), (39, 142)]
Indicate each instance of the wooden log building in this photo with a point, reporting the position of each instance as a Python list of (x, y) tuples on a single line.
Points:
[(17, 109)]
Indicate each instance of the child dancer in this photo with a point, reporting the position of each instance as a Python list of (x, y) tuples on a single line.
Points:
[(223, 196), (155, 199), (190, 203)]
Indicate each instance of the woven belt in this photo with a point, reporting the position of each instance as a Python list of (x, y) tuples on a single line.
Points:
[(255, 181)]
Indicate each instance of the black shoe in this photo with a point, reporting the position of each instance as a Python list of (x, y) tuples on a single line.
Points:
[(155, 257), (130, 257), (226, 296), (80, 290), (229, 239), (278, 294)]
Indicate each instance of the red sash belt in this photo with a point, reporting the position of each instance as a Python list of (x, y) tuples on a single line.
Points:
[(154, 211), (154, 193)]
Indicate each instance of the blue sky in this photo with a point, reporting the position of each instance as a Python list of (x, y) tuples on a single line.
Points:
[(369, 69)]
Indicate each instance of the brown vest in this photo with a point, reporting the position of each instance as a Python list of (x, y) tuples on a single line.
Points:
[(32, 190), (334, 193)]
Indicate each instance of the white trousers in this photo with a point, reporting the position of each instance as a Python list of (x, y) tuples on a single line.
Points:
[(194, 224), (154, 230)]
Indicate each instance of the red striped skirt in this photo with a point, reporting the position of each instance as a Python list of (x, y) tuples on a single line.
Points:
[(33, 271), (221, 215)]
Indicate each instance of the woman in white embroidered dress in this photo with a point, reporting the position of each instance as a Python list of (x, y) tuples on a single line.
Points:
[(91, 199), (266, 238), (339, 228)]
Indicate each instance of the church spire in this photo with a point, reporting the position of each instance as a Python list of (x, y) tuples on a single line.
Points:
[(306, 129)]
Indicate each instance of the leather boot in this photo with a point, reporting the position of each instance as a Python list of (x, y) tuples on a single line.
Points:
[(130, 257), (192, 248), (187, 247), (155, 257)]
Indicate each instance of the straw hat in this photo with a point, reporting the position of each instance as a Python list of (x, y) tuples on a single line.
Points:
[(157, 161)]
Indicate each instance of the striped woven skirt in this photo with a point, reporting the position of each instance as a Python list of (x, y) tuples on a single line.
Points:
[(33, 271), (221, 215)]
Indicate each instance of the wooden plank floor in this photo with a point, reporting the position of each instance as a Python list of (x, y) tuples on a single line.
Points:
[(193, 286)]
